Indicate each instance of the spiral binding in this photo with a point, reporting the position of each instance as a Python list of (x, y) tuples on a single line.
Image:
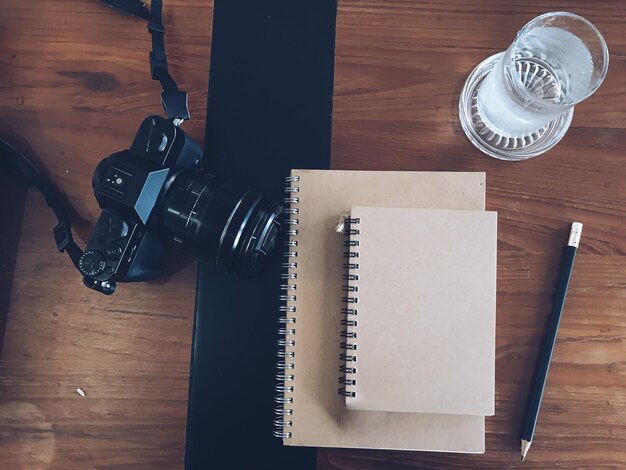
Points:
[(287, 319), (347, 369)]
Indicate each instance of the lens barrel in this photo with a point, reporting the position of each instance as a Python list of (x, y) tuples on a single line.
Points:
[(230, 229)]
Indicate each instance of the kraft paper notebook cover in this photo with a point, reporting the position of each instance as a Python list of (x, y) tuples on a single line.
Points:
[(422, 285), (310, 412)]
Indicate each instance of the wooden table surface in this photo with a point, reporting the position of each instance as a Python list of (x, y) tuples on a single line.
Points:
[(74, 86)]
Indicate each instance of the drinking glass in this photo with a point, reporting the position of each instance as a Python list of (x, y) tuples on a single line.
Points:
[(519, 103)]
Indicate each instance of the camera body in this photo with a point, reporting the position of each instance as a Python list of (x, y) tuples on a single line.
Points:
[(127, 185), (156, 192)]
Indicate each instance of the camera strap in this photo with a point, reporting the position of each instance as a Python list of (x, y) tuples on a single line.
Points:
[(174, 101), (14, 162)]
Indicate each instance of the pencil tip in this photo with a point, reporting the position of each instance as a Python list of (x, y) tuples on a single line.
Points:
[(524, 449)]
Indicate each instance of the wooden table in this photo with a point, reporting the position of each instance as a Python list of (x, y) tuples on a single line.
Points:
[(74, 85)]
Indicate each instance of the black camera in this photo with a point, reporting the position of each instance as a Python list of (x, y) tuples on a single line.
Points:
[(156, 193)]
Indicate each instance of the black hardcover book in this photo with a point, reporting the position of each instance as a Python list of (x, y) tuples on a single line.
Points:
[(269, 110)]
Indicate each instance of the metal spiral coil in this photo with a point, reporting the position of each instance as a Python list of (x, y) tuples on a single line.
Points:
[(283, 343), (347, 357), (283, 365), (347, 379), (283, 400), (346, 393), (283, 377), (347, 369), (344, 381), (280, 411), (287, 318)]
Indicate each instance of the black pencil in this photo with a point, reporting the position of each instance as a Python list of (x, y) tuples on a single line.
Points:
[(549, 339)]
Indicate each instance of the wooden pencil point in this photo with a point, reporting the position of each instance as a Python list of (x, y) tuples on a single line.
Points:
[(524, 449)]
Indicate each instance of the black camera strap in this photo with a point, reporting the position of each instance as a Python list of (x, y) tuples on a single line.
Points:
[(174, 101), (14, 162)]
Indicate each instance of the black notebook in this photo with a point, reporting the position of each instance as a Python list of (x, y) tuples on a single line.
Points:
[(269, 110)]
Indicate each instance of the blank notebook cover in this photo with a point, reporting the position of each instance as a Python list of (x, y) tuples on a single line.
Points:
[(423, 293), (309, 410)]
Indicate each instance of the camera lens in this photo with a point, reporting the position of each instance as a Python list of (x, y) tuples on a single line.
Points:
[(231, 229)]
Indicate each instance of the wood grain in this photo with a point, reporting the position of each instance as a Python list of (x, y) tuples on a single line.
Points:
[(399, 69), (74, 86)]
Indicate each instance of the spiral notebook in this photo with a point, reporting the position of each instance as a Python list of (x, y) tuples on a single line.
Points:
[(309, 411), (420, 311)]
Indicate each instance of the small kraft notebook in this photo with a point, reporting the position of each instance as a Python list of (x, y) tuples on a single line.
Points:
[(420, 311), (309, 411)]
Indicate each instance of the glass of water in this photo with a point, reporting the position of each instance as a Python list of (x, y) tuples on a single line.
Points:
[(519, 103)]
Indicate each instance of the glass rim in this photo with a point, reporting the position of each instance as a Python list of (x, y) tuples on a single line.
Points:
[(584, 21)]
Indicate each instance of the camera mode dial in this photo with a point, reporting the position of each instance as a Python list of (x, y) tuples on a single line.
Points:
[(91, 263)]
